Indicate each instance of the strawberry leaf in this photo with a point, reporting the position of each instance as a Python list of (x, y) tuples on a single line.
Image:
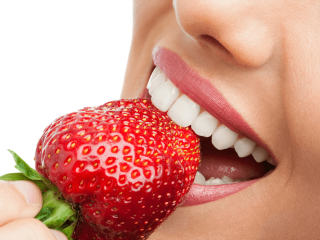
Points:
[(68, 230), (23, 167), (44, 214), (29, 172), (20, 176)]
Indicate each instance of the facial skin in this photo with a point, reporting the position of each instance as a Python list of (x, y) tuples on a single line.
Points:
[(264, 58)]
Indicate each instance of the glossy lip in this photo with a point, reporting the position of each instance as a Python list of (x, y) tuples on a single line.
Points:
[(200, 194), (207, 96)]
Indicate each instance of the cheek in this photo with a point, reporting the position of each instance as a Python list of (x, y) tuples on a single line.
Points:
[(300, 81), (301, 97), (148, 18), (302, 110)]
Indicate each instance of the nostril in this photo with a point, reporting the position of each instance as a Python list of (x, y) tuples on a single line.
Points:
[(213, 42)]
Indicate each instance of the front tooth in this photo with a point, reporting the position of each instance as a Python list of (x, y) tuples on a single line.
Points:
[(223, 137), (156, 83), (199, 179), (153, 76), (244, 147), (227, 179), (259, 154), (214, 181), (205, 124), (271, 161), (166, 94), (184, 111)]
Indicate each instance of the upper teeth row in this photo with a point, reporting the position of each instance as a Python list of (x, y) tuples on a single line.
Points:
[(185, 112)]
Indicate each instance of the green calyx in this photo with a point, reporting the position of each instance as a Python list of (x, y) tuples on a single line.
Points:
[(56, 212)]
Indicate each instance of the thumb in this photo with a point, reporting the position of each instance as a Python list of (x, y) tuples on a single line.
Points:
[(19, 199)]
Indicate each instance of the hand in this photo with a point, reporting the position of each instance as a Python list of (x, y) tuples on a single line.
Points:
[(20, 202)]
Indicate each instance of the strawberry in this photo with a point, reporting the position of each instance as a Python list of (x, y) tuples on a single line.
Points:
[(123, 167)]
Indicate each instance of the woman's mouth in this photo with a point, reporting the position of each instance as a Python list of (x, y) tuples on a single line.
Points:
[(233, 156)]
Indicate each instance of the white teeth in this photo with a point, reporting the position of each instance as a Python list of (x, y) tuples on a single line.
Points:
[(226, 179), (156, 83), (244, 147), (259, 154), (154, 74), (214, 181), (165, 96), (199, 179), (271, 161), (205, 124), (184, 111), (223, 137)]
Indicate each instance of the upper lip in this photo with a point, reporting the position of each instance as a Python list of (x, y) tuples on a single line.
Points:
[(201, 91)]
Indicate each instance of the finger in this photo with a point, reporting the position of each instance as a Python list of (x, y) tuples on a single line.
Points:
[(29, 228), (20, 199)]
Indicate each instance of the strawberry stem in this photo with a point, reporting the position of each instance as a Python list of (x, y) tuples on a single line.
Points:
[(56, 212)]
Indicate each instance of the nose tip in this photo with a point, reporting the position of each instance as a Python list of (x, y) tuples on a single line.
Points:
[(234, 27)]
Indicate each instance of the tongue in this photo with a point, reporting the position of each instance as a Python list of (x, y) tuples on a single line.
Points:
[(218, 163)]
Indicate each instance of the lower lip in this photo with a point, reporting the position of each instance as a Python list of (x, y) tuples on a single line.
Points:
[(200, 194)]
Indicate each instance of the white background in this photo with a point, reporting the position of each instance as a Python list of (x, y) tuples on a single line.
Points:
[(56, 57)]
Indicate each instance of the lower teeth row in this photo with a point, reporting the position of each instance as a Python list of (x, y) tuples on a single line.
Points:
[(199, 179)]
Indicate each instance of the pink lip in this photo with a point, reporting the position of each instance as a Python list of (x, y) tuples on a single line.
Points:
[(200, 194), (207, 96)]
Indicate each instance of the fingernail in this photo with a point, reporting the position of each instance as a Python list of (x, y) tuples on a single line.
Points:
[(30, 191), (58, 235)]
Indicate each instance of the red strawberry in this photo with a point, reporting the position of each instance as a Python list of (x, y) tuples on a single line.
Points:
[(125, 163)]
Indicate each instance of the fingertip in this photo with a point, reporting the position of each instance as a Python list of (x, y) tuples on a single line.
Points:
[(30, 192), (58, 235), (19, 200)]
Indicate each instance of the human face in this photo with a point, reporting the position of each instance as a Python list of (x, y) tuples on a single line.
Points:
[(263, 57)]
